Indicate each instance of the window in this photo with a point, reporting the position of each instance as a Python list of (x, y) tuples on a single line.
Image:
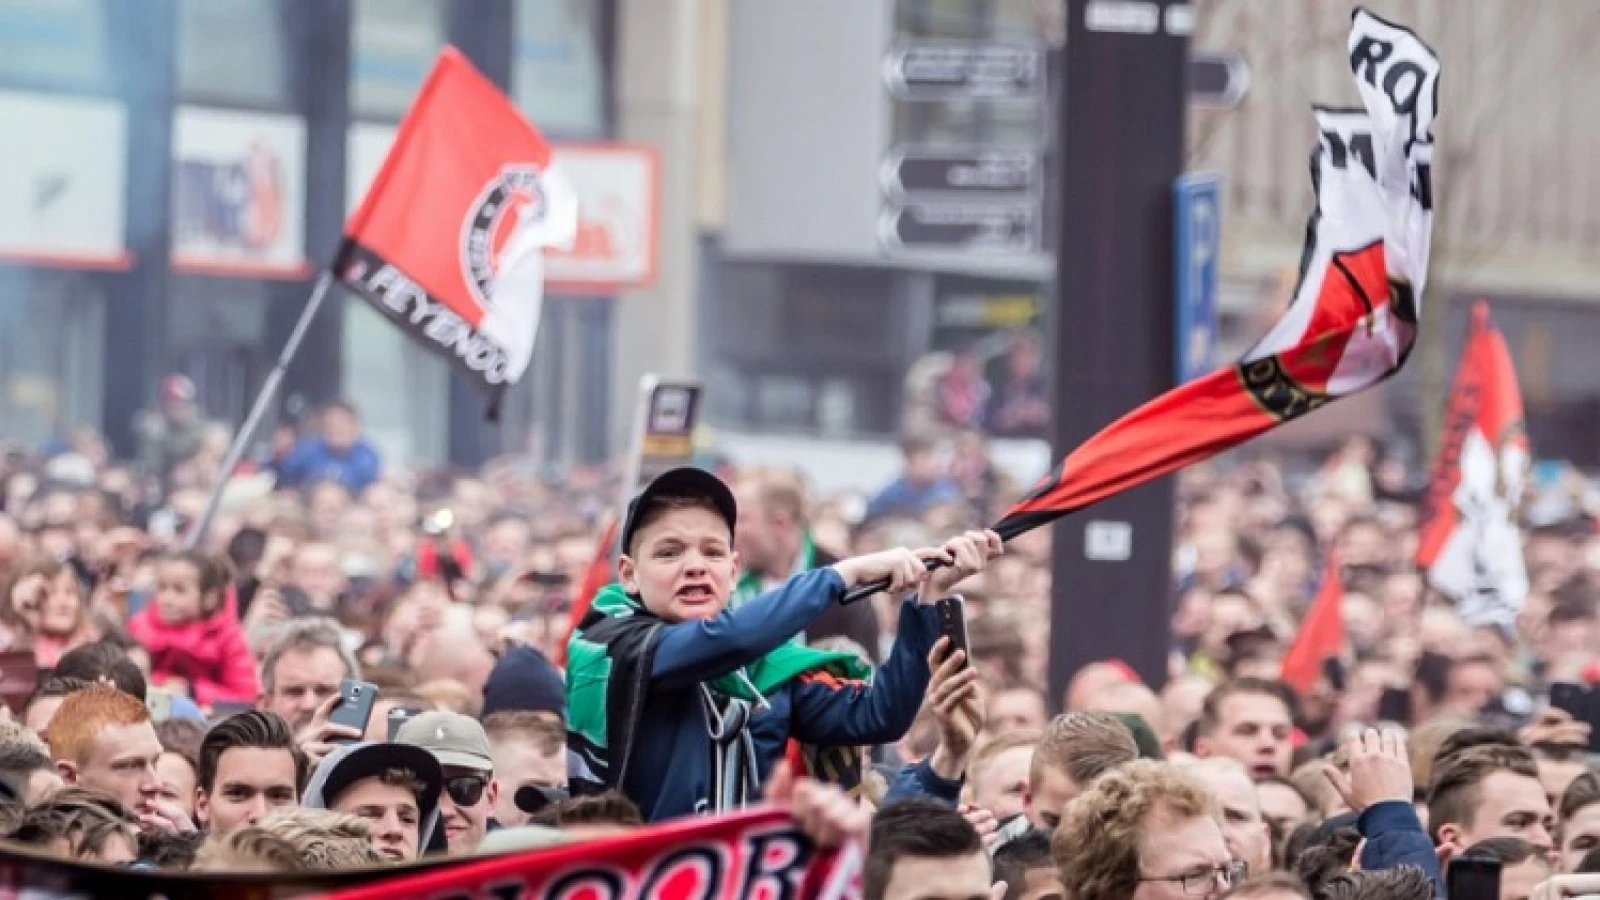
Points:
[(234, 53), (55, 45), (393, 44), (558, 71), (52, 339)]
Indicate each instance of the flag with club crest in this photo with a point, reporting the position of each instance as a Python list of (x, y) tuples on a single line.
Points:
[(1353, 319)]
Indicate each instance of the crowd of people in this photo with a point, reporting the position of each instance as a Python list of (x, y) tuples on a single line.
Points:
[(360, 665)]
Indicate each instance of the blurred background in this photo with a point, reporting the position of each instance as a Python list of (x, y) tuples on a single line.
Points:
[(842, 214)]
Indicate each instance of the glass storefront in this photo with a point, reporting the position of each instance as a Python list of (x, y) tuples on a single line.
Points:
[(52, 331), (401, 389), (55, 84), (234, 53), (558, 73)]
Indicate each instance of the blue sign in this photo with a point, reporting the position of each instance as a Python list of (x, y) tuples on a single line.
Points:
[(1197, 206)]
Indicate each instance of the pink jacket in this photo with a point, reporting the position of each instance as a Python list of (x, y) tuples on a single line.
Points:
[(210, 654)]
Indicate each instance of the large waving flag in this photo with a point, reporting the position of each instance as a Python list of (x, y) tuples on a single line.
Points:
[(1353, 319), (1470, 546), (1354, 316), (449, 242)]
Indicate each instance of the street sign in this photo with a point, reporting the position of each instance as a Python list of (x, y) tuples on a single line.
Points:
[(1218, 80), (953, 70), (973, 227), (1197, 206), (665, 418), (957, 174)]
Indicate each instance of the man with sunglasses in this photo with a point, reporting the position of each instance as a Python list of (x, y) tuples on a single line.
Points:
[(462, 749)]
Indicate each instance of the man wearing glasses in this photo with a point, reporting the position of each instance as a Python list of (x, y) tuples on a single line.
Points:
[(1145, 831), (462, 749)]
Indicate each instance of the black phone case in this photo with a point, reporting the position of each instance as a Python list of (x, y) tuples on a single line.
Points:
[(355, 704), (1473, 879), (1577, 701), (951, 613)]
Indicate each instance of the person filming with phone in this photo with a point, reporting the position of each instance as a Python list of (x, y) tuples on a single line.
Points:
[(686, 706)]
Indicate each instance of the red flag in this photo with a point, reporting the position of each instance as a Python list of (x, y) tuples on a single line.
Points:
[(596, 576), (449, 241), (1469, 545), (1321, 633), (1354, 316)]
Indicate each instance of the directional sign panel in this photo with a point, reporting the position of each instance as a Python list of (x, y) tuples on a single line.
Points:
[(991, 174), (1218, 80), (970, 227), (952, 70), (1197, 205)]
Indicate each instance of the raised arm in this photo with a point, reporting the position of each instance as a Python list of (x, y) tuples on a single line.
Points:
[(693, 651)]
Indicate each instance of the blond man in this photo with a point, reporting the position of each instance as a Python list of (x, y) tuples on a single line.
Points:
[(1077, 748), (1146, 831)]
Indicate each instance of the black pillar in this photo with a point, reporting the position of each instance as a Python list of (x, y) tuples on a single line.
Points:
[(1122, 145), (144, 60), (320, 42), (483, 30)]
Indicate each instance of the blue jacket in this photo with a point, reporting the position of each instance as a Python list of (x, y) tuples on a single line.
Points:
[(921, 782), (902, 498), (671, 768), (312, 460), (1395, 837)]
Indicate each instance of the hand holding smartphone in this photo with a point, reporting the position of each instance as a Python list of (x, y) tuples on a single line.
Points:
[(951, 613), (355, 704)]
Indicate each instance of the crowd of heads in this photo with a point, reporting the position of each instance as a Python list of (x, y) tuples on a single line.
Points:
[(188, 713)]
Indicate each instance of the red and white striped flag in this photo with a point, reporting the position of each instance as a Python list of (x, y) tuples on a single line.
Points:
[(1470, 547), (1354, 316)]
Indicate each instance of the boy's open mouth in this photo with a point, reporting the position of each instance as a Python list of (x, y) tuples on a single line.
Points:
[(695, 593)]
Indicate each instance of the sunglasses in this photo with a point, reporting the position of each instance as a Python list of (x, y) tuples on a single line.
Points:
[(465, 790)]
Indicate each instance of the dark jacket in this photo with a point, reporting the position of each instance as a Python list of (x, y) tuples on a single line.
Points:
[(666, 764), (1394, 837)]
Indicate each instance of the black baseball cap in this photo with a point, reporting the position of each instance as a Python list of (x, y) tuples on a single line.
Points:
[(681, 483)]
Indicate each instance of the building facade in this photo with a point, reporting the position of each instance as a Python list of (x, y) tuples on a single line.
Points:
[(185, 170)]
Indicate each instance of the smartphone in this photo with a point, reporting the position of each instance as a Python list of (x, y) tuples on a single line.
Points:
[(1394, 705), (1577, 701), (159, 702), (355, 704), (1471, 878), (398, 717), (952, 615)]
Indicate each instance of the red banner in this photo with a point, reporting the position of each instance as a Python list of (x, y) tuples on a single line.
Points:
[(758, 855)]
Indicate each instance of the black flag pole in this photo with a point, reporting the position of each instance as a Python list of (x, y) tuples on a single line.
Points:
[(258, 411)]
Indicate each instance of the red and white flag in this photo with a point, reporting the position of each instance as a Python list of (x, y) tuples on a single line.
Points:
[(449, 242), (1470, 546), (1354, 316)]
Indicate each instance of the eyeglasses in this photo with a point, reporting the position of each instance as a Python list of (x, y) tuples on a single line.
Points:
[(465, 790), (1202, 882)]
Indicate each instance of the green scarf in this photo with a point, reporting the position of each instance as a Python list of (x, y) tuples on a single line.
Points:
[(608, 665), (750, 581)]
